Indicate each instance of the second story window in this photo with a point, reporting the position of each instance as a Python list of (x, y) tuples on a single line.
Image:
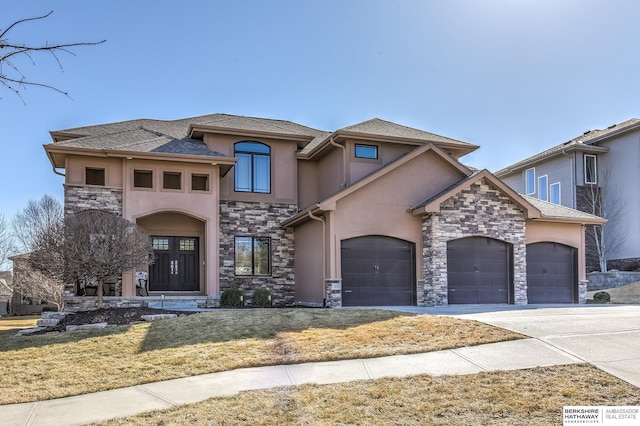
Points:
[(366, 151), (94, 176), (253, 169), (143, 179), (555, 193), (171, 180), (530, 181), (590, 169), (543, 183)]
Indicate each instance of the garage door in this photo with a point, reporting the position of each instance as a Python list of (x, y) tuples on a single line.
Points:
[(377, 271), (479, 270), (552, 271)]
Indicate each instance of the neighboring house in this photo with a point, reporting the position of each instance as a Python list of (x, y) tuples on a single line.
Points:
[(597, 167), (6, 278), (371, 214), (20, 304)]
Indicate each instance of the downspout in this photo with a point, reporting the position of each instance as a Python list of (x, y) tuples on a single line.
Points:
[(324, 245), (344, 161), (58, 173)]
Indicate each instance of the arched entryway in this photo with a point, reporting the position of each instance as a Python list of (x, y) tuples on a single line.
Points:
[(178, 245), (377, 271), (479, 270), (552, 271)]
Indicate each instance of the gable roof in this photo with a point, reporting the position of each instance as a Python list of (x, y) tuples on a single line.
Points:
[(585, 142), (432, 205), (382, 130), (330, 202)]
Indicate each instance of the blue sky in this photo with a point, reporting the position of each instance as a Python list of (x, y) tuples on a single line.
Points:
[(513, 76)]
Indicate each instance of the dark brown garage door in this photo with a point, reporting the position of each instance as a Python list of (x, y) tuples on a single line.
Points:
[(377, 271), (552, 271), (479, 270)]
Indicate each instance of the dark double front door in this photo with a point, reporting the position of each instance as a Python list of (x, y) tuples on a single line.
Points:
[(176, 266)]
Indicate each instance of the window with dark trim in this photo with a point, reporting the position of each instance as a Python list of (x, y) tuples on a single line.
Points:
[(366, 151), (142, 179), (530, 181), (94, 176), (252, 256), (253, 169), (171, 180), (590, 169), (199, 182)]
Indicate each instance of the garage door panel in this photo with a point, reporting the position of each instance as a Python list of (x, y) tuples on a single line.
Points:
[(377, 271), (478, 271), (551, 273)]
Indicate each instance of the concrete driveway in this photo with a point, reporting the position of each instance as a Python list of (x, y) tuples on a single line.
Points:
[(607, 337)]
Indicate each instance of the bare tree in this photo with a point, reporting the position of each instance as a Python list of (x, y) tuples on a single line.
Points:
[(38, 218), (36, 284), (99, 245), (13, 54), (39, 231), (6, 242), (607, 202)]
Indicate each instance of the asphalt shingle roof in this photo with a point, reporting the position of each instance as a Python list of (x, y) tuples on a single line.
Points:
[(147, 135), (551, 210), (585, 139)]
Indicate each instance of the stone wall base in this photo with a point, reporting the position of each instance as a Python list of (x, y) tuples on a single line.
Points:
[(333, 293)]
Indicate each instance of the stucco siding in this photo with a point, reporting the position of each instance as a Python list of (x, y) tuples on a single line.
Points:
[(309, 262), (382, 207)]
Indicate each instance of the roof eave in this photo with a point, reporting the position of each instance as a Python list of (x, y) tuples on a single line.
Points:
[(581, 221), (532, 161), (340, 135), (197, 131), (57, 153)]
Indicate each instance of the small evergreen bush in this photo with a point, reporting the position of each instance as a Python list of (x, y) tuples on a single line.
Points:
[(231, 298), (602, 297), (262, 297)]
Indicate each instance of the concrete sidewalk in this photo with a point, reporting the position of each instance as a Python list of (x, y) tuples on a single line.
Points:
[(78, 410)]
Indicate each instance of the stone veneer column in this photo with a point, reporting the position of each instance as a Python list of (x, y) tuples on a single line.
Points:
[(83, 197), (333, 292), (240, 218), (479, 211)]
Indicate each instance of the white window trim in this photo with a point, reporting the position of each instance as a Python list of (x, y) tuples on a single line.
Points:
[(530, 191), (546, 187), (595, 169), (559, 193)]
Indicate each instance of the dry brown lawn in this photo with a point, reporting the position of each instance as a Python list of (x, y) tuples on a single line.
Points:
[(524, 397), (63, 364), (629, 293)]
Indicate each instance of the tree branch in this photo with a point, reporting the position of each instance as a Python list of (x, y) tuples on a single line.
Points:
[(11, 51)]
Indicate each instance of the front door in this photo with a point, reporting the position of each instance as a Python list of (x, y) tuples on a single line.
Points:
[(176, 264)]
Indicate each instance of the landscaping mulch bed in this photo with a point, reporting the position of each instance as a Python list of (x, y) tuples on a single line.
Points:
[(112, 316)]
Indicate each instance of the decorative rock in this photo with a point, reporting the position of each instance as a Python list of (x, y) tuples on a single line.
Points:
[(54, 315), (158, 317), (28, 331), (86, 326), (47, 322)]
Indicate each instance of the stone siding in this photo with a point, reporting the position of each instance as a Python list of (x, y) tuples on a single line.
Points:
[(88, 197), (238, 218), (611, 279), (83, 197), (479, 211)]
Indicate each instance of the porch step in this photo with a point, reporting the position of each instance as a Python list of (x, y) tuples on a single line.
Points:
[(175, 305)]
